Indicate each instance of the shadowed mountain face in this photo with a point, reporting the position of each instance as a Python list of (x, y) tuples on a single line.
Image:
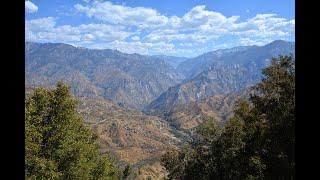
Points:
[(128, 79)]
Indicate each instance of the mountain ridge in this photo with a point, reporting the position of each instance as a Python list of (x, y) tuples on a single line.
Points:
[(129, 79), (219, 78), (236, 55)]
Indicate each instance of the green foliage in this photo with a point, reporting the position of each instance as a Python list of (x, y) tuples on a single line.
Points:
[(58, 144), (257, 143), (277, 107), (175, 163)]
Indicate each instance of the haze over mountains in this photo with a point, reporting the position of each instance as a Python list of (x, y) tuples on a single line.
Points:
[(140, 104)]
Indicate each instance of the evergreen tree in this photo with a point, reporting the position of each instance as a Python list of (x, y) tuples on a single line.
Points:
[(58, 144), (257, 143), (276, 105)]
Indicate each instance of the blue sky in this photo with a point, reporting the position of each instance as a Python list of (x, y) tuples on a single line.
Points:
[(181, 27)]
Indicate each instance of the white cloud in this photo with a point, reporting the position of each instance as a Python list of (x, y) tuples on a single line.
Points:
[(250, 42), (145, 30), (88, 37), (198, 16), (42, 24), (118, 14), (30, 7), (267, 26), (203, 25), (135, 38), (45, 29), (147, 18)]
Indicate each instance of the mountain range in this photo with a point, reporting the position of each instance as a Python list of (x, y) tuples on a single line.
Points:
[(219, 73), (254, 57), (135, 81), (141, 105), (131, 80)]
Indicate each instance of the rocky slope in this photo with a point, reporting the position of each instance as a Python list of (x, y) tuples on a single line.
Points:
[(222, 72), (188, 116), (131, 80), (131, 136), (254, 57), (212, 82)]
